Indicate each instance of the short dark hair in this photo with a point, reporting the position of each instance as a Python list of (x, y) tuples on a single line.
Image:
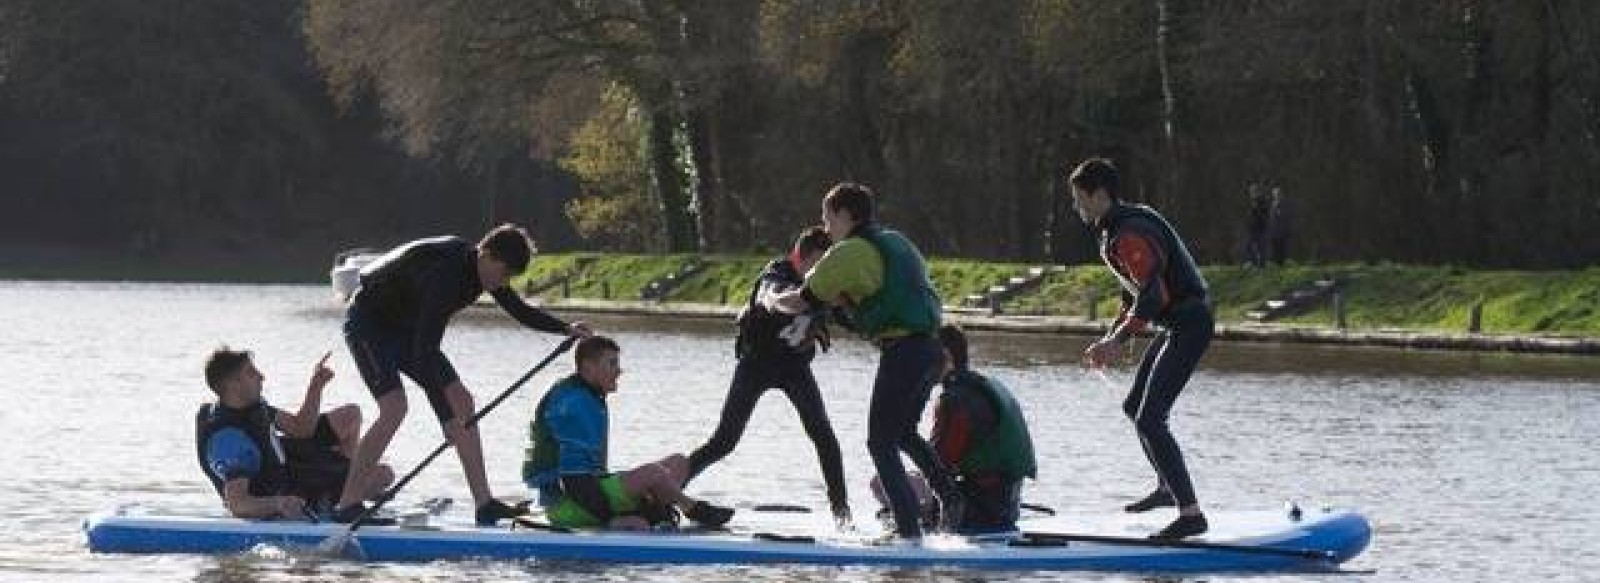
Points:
[(854, 198), (812, 240), (223, 363), (1097, 173), (955, 342), (511, 245), (592, 347)]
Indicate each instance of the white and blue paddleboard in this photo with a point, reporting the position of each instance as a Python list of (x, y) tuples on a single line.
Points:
[(1238, 541)]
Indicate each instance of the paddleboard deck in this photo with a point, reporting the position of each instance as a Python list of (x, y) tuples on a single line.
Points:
[(1316, 540)]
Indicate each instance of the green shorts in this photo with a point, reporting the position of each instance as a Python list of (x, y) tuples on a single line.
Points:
[(567, 513)]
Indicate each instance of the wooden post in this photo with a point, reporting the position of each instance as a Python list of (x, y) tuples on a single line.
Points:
[(1475, 317), (1338, 310), (566, 288), (994, 305), (723, 297), (1093, 299), (605, 290)]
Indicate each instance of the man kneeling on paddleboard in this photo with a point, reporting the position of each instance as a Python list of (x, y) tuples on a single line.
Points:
[(979, 431), (266, 462), (566, 460)]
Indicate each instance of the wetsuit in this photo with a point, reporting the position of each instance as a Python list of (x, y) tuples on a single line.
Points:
[(245, 443), (1162, 285), (397, 317), (979, 429), (768, 361), (884, 283)]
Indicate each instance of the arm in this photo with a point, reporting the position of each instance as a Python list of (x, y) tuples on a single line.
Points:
[(530, 316), (233, 458), (303, 423), (1139, 257), (236, 495), (850, 270), (952, 430)]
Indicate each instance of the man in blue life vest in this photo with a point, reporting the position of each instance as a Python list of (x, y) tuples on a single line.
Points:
[(880, 280), (568, 446), (979, 430), (266, 462), (1161, 285), (394, 325), (775, 351)]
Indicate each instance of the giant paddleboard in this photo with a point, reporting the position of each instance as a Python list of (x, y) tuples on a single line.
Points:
[(1238, 541)]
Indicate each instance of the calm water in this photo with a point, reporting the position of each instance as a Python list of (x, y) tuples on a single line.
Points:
[(1470, 467)]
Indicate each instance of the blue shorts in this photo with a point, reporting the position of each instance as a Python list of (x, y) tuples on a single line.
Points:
[(381, 354)]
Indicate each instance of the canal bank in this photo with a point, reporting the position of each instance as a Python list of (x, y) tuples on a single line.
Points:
[(1080, 326)]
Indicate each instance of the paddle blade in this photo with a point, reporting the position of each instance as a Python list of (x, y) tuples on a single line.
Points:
[(341, 546)]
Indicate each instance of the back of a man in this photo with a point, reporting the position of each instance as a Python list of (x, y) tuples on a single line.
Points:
[(979, 429)]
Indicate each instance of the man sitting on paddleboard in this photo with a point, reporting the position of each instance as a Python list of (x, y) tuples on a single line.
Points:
[(266, 462), (567, 449), (980, 431)]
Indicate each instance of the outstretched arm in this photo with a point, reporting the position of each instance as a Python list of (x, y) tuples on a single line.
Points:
[(303, 423)]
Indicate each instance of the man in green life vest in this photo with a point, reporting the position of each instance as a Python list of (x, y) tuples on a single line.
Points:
[(879, 279), (979, 428)]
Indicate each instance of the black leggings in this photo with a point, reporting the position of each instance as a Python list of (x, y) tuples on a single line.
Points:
[(1167, 364), (906, 374), (751, 379)]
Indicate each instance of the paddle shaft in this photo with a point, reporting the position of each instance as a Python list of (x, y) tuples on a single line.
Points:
[(473, 421), (1180, 544)]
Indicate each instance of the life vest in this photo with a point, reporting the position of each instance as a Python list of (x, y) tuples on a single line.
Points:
[(273, 476), (907, 300), (543, 456), (759, 327), (1008, 448), (1180, 276)]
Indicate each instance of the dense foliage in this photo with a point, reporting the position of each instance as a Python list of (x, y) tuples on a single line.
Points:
[(1453, 131)]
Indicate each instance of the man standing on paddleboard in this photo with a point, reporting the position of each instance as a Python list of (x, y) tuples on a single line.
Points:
[(394, 325), (881, 280), (1161, 285)]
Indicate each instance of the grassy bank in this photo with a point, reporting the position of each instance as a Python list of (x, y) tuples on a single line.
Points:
[(1375, 296)]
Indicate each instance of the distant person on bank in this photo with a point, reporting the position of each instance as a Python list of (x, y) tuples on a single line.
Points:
[(1161, 285), (774, 350), (394, 325), (569, 439), (880, 280), (266, 462)]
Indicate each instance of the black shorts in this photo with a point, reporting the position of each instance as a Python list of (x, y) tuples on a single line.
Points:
[(382, 354), (317, 469)]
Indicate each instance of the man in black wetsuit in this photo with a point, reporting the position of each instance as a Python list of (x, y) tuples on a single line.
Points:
[(267, 462), (395, 322), (1160, 285), (775, 351)]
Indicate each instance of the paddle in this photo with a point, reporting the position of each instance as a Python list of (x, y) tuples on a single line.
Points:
[(1053, 537), (336, 544)]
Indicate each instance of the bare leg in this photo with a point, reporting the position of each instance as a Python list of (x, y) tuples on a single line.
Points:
[(661, 480), (391, 411), (346, 422), (467, 442)]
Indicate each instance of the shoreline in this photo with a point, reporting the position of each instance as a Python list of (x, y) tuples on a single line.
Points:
[(1078, 326)]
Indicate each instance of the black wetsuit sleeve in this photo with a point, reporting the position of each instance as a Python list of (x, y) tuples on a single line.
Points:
[(529, 316), (585, 490)]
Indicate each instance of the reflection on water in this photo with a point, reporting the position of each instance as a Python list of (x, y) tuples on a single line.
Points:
[(1472, 467)]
